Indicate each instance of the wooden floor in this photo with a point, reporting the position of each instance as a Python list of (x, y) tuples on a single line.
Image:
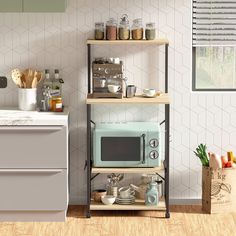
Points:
[(185, 220)]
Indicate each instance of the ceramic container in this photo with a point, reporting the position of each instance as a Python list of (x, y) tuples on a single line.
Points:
[(27, 99)]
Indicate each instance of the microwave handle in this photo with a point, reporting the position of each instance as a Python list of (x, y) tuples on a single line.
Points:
[(144, 144)]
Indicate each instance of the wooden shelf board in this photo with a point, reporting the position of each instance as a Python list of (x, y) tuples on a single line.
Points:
[(123, 42), (139, 99), (108, 170), (138, 205)]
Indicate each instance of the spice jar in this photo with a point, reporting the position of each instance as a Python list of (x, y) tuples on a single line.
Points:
[(124, 29), (99, 31), (57, 104), (137, 29), (150, 31), (111, 29)]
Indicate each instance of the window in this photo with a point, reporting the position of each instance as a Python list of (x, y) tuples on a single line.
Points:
[(214, 45)]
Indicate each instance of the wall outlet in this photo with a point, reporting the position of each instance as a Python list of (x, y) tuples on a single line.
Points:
[(3, 82)]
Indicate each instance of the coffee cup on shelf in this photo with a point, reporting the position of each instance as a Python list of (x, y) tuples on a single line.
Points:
[(114, 88), (149, 92)]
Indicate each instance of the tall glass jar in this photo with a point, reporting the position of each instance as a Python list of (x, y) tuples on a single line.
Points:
[(137, 29), (99, 31), (111, 29), (150, 31), (124, 28)]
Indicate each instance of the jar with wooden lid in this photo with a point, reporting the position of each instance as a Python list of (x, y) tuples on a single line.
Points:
[(150, 31), (137, 29), (111, 29), (56, 104), (99, 31), (124, 28)]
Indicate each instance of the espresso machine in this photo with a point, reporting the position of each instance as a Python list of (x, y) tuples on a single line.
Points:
[(107, 73)]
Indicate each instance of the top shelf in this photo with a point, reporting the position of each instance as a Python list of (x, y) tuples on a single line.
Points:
[(125, 42)]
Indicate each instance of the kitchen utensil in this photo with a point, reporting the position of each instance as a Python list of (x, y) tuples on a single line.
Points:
[(130, 91), (149, 92), (97, 194), (125, 201), (126, 192), (35, 80), (16, 77), (27, 99), (108, 199), (114, 88)]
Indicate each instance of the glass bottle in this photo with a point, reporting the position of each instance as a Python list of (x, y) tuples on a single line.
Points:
[(151, 198), (99, 31), (47, 81), (137, 29), (150, 31), (124, 28), (111, 29), (56, 85)]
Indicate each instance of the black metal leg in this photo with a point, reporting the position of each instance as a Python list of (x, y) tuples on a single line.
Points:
[(167, 155), (166, 68), (88, 160), (88, 214)]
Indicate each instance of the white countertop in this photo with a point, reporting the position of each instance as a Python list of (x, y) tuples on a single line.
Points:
[(14, 117)]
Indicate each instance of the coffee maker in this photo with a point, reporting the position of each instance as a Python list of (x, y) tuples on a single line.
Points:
[(107, 73)]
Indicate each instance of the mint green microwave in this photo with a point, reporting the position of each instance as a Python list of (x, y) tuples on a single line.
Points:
[(132, 144)]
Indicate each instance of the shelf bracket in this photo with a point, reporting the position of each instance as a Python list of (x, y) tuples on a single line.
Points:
[(95, 176), (160, 176), (162, 122)]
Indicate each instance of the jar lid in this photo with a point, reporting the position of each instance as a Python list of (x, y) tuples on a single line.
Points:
[(124, 20), (150, 24), (99, 24), (111, 21), (138, 20)]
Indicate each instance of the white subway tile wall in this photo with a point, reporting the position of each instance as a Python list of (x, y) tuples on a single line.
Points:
[(59, 41)]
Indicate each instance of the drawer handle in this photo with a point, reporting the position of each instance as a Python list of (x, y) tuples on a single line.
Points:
[(30, 170), (25, 128)]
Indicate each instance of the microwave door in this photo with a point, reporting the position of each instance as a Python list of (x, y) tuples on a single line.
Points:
[(118, 150)]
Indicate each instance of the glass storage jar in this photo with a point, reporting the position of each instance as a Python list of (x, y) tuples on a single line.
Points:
[(137, 29), (111, 29), (99, 31), (150, 31), (124, 28)]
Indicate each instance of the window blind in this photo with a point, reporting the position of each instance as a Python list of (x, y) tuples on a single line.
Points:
[(214, 22)]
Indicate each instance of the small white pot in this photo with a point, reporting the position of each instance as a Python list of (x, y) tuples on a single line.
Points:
[(27, 99)]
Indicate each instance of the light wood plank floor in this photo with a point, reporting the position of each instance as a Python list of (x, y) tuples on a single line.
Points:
[(185, 220)]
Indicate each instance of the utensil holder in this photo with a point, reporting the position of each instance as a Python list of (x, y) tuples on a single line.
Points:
[(27, 99)]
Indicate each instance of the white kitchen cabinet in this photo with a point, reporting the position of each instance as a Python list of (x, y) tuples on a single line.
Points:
[(33, 166), (33, 147)]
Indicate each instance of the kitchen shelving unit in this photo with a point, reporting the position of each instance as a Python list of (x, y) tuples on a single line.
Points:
[(160, 100)]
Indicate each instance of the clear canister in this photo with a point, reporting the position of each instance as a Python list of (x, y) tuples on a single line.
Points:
[(111, 29), (124, 28), (99, 31), (137, 29), (150, 31)]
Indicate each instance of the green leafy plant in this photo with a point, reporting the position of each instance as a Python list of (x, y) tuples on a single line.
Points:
[(201, 152)]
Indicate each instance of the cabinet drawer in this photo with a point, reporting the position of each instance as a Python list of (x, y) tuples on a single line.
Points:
[(33, 147), (11, 5), (44, 5), (33, 189)]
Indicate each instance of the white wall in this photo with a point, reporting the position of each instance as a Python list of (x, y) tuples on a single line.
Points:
[(58, 41)]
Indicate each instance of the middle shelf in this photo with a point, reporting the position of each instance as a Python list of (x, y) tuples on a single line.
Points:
[(139, 99)]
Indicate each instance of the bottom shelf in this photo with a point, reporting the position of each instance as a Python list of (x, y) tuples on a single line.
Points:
[(138, 205)]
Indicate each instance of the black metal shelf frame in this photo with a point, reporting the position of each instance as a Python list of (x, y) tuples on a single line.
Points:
[(88, 163)]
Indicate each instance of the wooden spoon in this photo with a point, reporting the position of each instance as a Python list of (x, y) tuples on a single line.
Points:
[(16, 77), (35, 80)]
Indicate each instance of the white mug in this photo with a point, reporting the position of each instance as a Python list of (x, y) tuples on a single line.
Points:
[(126, 192), (102, 83), (114, 88)]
